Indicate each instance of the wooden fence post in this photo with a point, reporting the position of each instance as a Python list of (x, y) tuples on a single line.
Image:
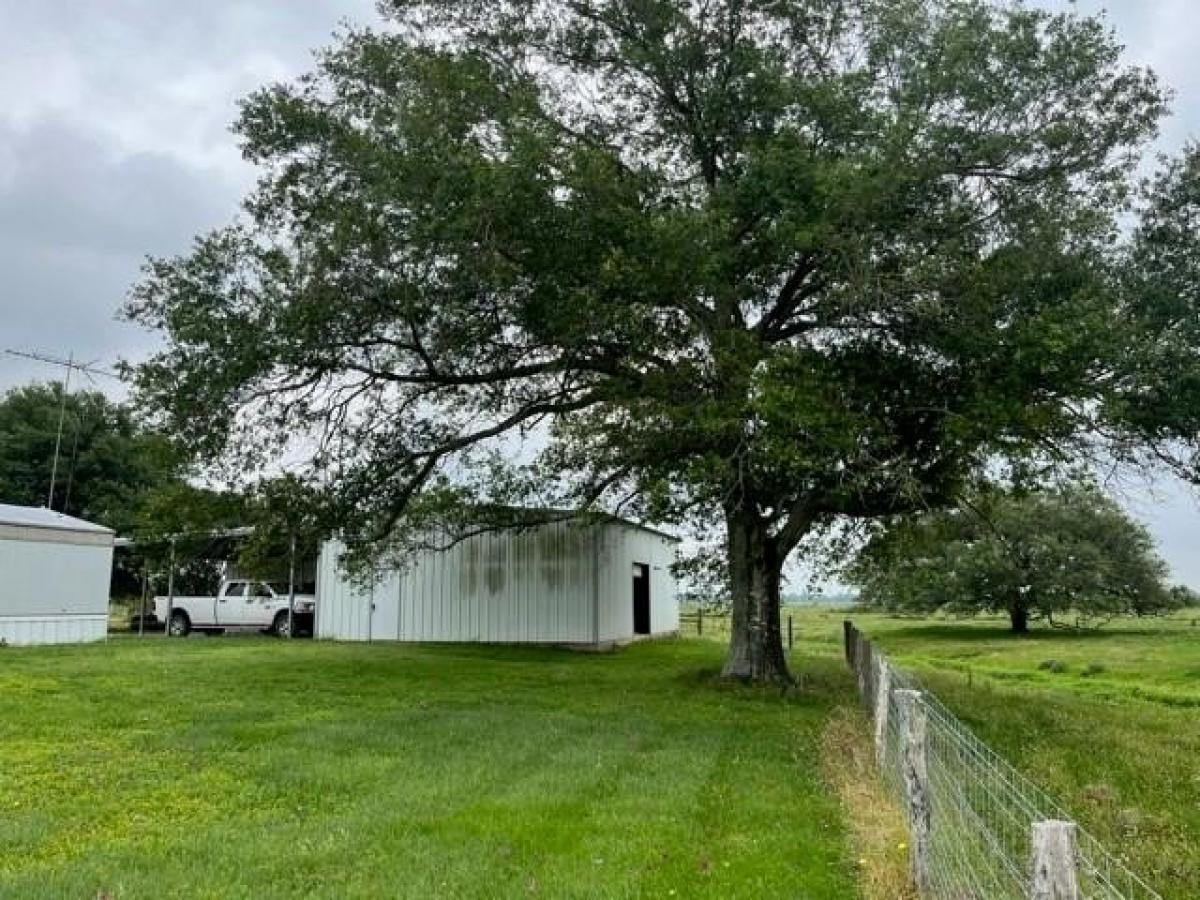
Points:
[(915, 772), (699, 623), (883, 691), (862, 665), (1054, 875), (789, 632), (848, 641)]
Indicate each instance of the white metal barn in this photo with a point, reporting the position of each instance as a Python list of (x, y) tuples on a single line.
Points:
[(563, 582), (54, 577)]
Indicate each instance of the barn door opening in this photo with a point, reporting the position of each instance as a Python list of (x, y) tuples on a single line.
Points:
[(641, 598)]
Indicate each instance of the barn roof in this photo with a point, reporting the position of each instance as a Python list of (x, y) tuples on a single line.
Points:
[(39, 517)]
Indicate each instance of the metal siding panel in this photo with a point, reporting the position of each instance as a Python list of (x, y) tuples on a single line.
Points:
[(552, 589), (36, 630), (54, 592), (513, 586), (498, 598), (527, 572), (516, 586), (616, 585), (557, 583), (545, 585), (487, 593), (664, 610), (447, 601), (440, 620), (406, 601), (328, 608), (420, 600), (343, 607), (451, 598), (430, 566)]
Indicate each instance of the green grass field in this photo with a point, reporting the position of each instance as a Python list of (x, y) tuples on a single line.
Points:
[(258, 768), (1118, 744), (251, 767)]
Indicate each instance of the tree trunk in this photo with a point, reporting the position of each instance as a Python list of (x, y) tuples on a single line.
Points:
[(1019, 616), (756, 645)]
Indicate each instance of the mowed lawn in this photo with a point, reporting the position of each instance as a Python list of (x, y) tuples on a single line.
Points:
[(1112, 730), (260, 768)]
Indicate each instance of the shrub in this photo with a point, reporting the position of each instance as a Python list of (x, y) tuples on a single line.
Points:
[(1052, 665)]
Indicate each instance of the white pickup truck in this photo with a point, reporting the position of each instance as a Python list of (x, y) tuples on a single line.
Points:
[(239, 604)]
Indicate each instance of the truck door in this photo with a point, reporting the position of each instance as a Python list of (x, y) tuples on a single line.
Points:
[(262, 605), (231, 604)]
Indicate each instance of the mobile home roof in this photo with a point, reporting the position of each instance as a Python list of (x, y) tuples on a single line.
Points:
[(38, 517)]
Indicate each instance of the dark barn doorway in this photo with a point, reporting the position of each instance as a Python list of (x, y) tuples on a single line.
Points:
[(641, 598)]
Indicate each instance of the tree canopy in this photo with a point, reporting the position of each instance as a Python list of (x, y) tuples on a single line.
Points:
[(752, 262), (108, 460), (1026, 555)]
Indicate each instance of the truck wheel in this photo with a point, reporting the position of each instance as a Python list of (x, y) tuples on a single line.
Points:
[(180, 624), (280, 626)]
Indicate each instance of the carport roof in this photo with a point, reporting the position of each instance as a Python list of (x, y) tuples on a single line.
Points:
[(39, 517)]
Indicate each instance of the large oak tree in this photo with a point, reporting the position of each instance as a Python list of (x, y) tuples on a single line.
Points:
[(745, 263)]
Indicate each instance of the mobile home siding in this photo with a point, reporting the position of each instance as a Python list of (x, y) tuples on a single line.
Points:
[(53, 584), (559, 583)]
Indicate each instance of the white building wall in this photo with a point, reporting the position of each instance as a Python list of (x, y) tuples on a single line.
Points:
[(52, 592), (558, 583), (623, 546)]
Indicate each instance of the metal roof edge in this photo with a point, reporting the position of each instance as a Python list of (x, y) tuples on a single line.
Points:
[(40, 517)]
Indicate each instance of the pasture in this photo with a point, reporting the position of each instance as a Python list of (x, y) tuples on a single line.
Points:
[(252, 767), (1107, 721), (257, 768)]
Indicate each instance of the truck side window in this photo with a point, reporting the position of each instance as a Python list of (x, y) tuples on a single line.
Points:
[(261, 590), (236, 589)]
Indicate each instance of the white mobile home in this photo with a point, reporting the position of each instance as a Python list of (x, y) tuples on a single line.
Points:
[(54, 577), (561, 582)]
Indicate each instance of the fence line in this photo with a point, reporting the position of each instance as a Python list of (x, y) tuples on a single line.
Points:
[(979, 829), (717, 624)]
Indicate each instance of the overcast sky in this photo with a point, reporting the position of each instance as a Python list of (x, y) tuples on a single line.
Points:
[(115, 143)]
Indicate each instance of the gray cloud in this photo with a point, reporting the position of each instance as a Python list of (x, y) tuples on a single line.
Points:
[(70, 191), (115, 143)]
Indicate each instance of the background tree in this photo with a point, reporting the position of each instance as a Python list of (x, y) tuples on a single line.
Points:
[(1183, 596), (108, 461), (286, 515), (212, 527), (1027, 555), (755, 262), (188, 525)]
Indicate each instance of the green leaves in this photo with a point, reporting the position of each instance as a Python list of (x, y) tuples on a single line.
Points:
[(107, 460), (1063, 551), (1155, 396)]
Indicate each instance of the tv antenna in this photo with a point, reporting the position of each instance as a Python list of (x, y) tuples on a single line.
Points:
[(87, 369)]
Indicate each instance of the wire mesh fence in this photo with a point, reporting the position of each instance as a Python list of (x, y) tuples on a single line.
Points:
[(979, 829)]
